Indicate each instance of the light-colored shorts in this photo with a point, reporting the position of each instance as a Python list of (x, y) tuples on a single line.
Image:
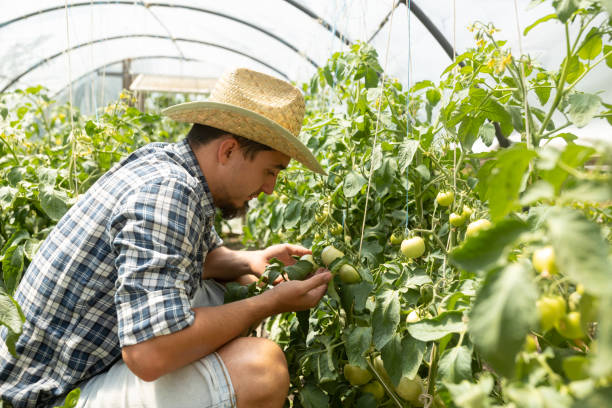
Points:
[(204, 383)]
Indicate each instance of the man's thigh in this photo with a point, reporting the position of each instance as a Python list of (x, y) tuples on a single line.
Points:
[(204, 383)]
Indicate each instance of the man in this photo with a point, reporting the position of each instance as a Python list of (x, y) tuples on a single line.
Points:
[(108, 297)]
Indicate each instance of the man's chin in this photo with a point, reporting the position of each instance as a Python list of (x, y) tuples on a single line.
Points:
[(231, 211)]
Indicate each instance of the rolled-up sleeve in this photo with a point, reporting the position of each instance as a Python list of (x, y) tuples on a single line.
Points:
[(156, 234)]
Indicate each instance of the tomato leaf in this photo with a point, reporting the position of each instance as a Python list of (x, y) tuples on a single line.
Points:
[(437, 327), (386, 317), (602, 366), (402, 357), (12, 267), (53, 202), (538, 22), (313, 397), (456, 364), (292, 214), (580, 250), (583, 107), (358, 341), (504, 311), (483, 251), (353, 183), (406, 153)]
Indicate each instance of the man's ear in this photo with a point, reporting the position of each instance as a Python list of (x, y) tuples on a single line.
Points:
[(226, 149)]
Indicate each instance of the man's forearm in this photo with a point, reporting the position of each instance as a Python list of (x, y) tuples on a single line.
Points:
[(213, 327), (226, 265)]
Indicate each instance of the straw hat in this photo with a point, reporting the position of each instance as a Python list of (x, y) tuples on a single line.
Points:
[(257, 106)]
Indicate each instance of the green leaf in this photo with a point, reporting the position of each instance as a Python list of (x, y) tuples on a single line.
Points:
[(353, 184), (456, 364), (469, 130), (312, 397), (299, 270), (591, 48), (356, 295), (16, 238), (504, 311), (402, 357), (386, 317), (406, 153), (538, 22), (540, 190), (437, 327), (71, 399), (53, 202), (7, 194), (505, 178), (608, 53), (565, 9), (433, 96), (487, 134), (12, 267), (483, 251), (583, 107), (598, 399), (469, 395), (10, 313), (292, 214), (358, 341), (524, 395), (581, 252), (543, 92), (376, 157), (574, 69), (573, 156)]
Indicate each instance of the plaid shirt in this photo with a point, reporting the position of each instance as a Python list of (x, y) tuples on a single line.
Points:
[(119, 268)]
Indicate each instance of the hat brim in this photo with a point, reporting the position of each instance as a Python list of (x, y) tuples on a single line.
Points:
[(245, 123)]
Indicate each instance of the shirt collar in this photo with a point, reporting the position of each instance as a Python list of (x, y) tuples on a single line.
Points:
[(185, 152)]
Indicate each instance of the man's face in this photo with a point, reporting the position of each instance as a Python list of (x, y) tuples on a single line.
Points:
[(245, 178)]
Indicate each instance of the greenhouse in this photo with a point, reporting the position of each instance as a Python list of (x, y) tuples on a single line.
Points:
[(306, 203)]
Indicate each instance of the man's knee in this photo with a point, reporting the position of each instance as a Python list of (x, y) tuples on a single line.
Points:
[(257, 367)]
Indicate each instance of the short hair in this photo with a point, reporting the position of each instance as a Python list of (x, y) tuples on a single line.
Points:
[(200, 135)]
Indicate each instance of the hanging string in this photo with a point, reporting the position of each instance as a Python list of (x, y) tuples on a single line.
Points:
[(408, 122), (522, 73), (73, 181), (94, 83), (382, 87)]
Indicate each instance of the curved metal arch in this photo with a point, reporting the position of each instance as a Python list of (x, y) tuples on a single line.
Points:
[(164, 37), (142, 57), (148, 5), (321, 21)]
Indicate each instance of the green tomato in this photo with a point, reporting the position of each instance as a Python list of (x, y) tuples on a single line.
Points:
[(569, 326), (321, 216), (348, 274), (551, 309), (531, 344), (543, 260), (309, 258), (475, 227), (467, 212), (379, 366), (413, 316), (410, 390), (396, 238), (445, 198), (413, 247), (330, 254), (337, 229), (356, 375), (456, 220), (375, 388), (576, 368)]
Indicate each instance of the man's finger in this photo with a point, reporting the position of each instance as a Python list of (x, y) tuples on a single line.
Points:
[(298, 250), (319, 279)]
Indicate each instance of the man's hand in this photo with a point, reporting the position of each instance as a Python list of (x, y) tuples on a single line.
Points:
[(259, 259), (293, 296)]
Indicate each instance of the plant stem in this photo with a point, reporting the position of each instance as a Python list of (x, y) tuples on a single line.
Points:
[(433, 370), (10, 148)]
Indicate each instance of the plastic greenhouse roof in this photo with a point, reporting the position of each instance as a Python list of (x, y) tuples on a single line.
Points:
[(57, 42)]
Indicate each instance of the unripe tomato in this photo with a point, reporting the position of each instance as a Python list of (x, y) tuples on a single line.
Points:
[(531, 343), (445, 198), (413, 317), (589, 310), (348, 274), (426, 292), (413, 247), (321, 216), (576, 368), (309, 258), (574, 300), (356, 375), (544, 260), (551, 309), (330, 254), (456, 220), (410, 390), (337, 229), (467, 212), (379, 366), (396, 238), (375, 388), (569, 326), (475, 227)]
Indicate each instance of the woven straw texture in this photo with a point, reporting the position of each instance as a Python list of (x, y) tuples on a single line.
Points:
[(256, 106)]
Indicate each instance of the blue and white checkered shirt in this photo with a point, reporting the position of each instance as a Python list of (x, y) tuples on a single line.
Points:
[(119, 268)]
